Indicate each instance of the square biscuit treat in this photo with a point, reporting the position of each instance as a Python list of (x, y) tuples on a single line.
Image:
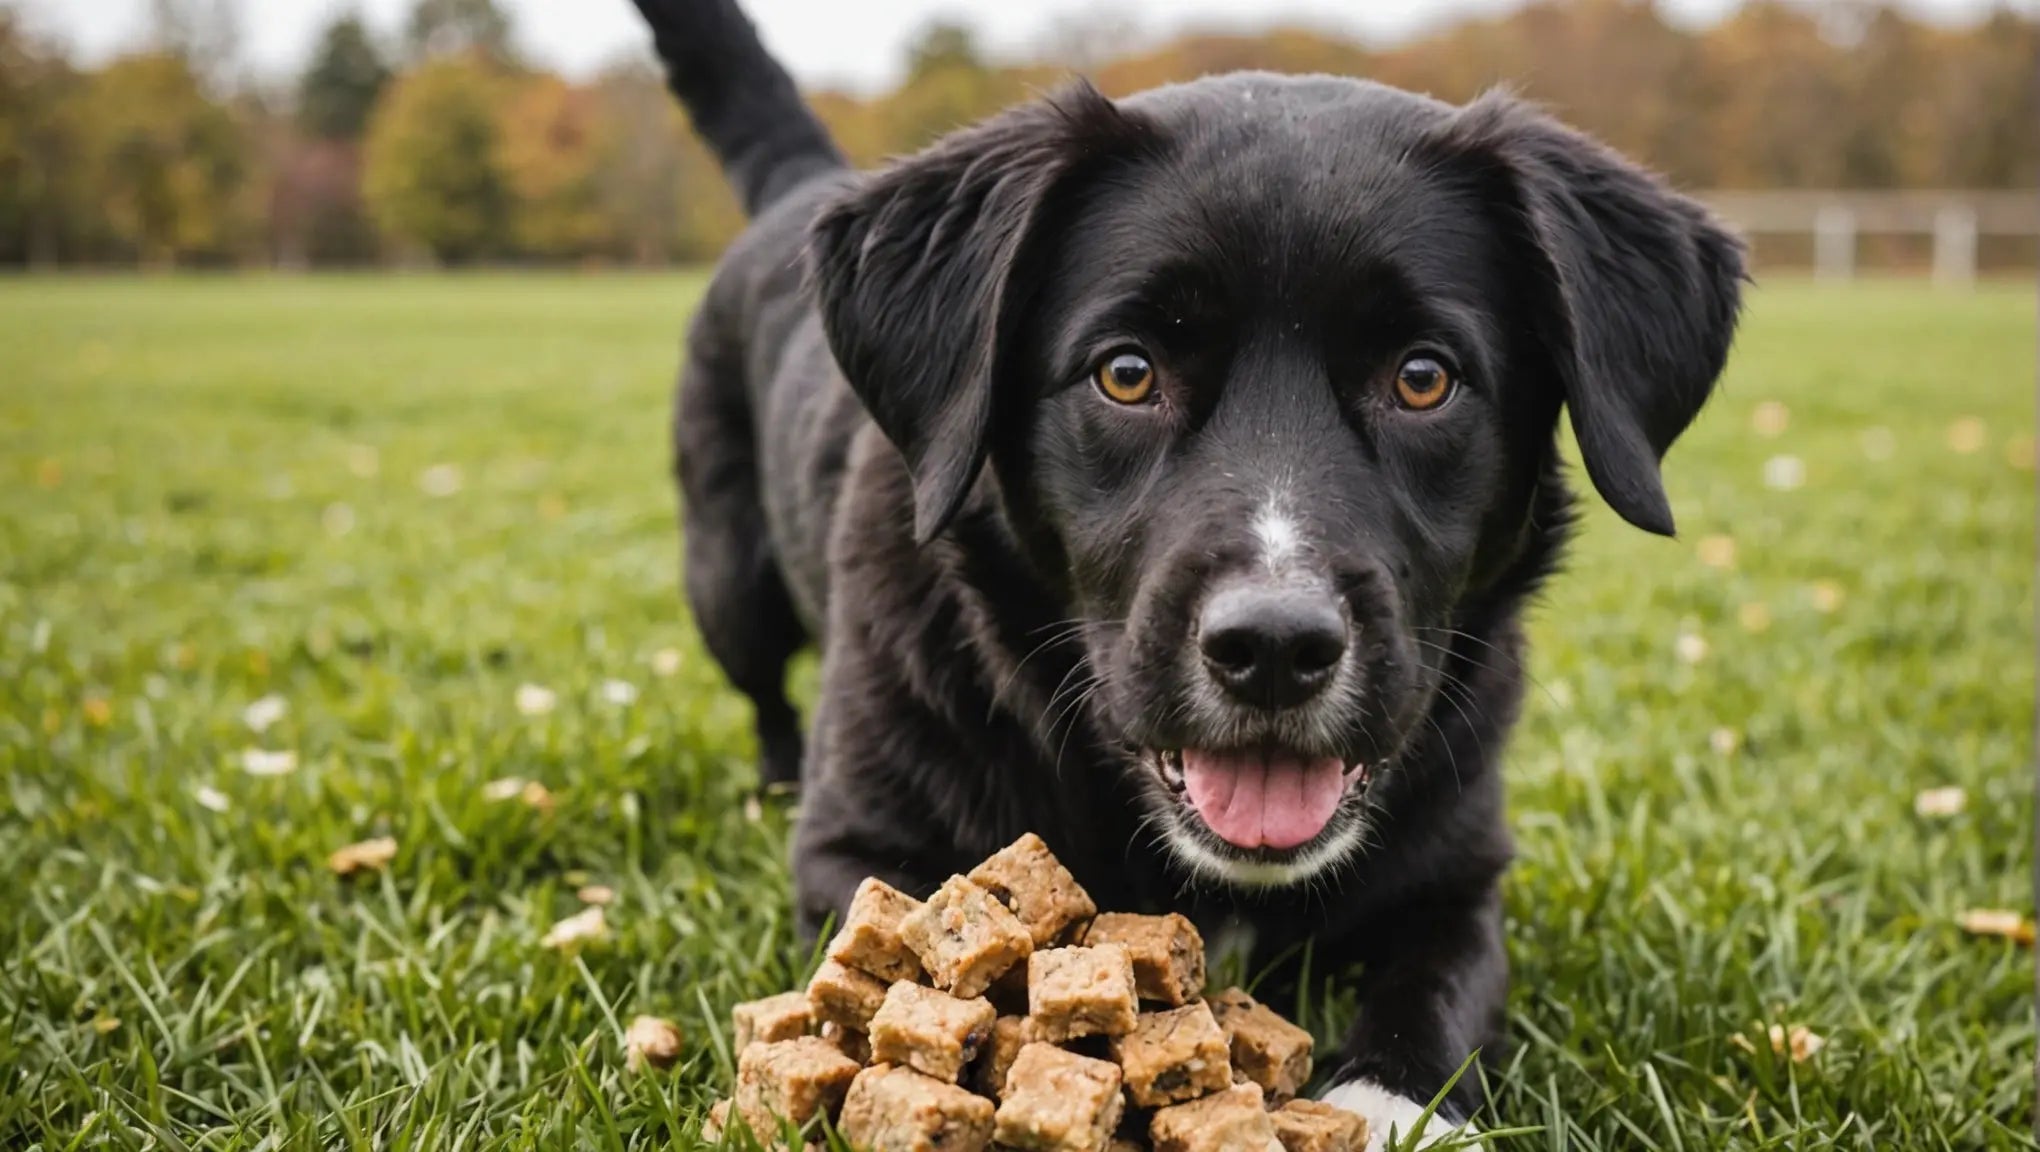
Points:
[(1229, 1121), (1267, 1049), (1074, 992), (1167, 952), (1027, 878), (869, 939), (1058, 1101), (844, 996), (988, 1075), (849, 1041), (899, 1110), (781, 1017), (1173, 1056), (1314, 1126), (964, 938), (796, 1079), (929, 1031)]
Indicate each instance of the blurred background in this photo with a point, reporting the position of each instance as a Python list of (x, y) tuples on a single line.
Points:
[(1842, 136)]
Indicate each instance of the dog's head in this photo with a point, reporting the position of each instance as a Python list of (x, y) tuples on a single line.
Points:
[(1268, 371)]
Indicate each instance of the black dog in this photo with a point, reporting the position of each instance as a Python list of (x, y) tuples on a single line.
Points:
[(1168, 477)]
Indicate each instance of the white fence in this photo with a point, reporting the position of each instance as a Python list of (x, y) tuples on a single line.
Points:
[(1957, 221)]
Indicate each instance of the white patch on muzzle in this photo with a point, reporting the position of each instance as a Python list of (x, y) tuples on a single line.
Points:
[(1281, 541)]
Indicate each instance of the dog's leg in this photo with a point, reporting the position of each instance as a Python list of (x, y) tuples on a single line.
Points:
[(734, 586), (1433, 990)]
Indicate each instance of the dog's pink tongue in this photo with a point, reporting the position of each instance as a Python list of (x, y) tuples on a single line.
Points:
[(1256, 800)]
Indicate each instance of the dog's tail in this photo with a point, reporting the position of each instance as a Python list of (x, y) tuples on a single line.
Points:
[(741, 101)]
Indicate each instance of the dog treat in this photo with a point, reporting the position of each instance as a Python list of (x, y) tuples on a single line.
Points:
[(1074, 992), (899, 1110), (869, 940), (1173, 1056), (718, 1119), (1167, 952), (781, 1017), (1230, 1121), (1058, 1101), (1314, 1126), (1027, 878), (845, 996), (964, 938), (1009, 1035), (796, 1079), (1269, 1050), (849, 1041), (929, 1031)]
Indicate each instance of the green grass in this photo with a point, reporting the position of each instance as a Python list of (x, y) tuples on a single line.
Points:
[(179, 459)]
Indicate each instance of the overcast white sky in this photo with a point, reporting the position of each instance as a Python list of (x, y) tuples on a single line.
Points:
[(841, 43)]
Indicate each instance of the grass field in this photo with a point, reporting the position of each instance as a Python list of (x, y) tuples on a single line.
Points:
[(391, 502)]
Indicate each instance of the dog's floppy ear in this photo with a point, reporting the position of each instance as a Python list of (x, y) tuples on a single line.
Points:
[(1636, 290), (923, 271)]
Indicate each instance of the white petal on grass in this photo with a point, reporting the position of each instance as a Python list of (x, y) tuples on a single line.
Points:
[(1939, 802), (1967, 435), (261, 714), (666, 661), (440, 480), (337, 519), (1770, 418), (210, 798), (535, 700), (367, 856), (1784, 473), (1878, 443), (263, 762), (1691, 647), (583, 927), (506, 788), (621, 693), (651, 1040)]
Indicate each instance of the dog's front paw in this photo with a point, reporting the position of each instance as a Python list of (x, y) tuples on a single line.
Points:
[(1386, 1111)]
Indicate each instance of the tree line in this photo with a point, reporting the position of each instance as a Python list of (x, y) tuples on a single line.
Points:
[(444, 146)]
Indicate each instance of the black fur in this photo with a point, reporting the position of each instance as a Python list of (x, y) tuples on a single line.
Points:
[(903, 458)]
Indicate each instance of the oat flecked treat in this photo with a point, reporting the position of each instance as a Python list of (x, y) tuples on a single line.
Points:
[(1267, 1049), (781, 1017), (1074, 992), (849, 1041), (1009, 1035), (964, 938), (899, 1110), (844, 996), (1167, 952), (1027, 878), (869, 940), (1058, 1101), (1173, 1056), (929, 1031), (718, 1119), (796, 1079), (1314, 1126), (1229, 1121)]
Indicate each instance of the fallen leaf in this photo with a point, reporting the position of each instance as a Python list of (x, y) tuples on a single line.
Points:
[(264, 712), (104, 1024), (369, 855), (440, 480), (1724, 741), (534, 700), (621, 693), (536, 795), (1946, 801), (1996, 922), (753, 810), (1827, 596), (1717, 551), (98, 711), (1754, 616), (582, 927), (49, 473), (1691, 648), (1784, 473), (211, 799), (1798, 1042), (595, 894), (263, 762), (1967, 435), (666, 661), (1770, 418), (650, 1040)]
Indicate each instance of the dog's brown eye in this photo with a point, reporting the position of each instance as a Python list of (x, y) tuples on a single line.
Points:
[(1127, 378), (1422, 383)]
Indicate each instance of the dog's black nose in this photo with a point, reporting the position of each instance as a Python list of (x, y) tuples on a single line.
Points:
[(1271, 646)]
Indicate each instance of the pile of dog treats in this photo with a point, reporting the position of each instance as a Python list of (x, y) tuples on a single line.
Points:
[(1005, 1010)]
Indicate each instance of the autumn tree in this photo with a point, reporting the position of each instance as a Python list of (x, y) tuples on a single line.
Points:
[(340, 85), (432, 169), (165, 160), (550, 149), (459, 28)]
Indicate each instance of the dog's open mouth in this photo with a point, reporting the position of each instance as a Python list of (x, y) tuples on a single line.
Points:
[(1259, 798)]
